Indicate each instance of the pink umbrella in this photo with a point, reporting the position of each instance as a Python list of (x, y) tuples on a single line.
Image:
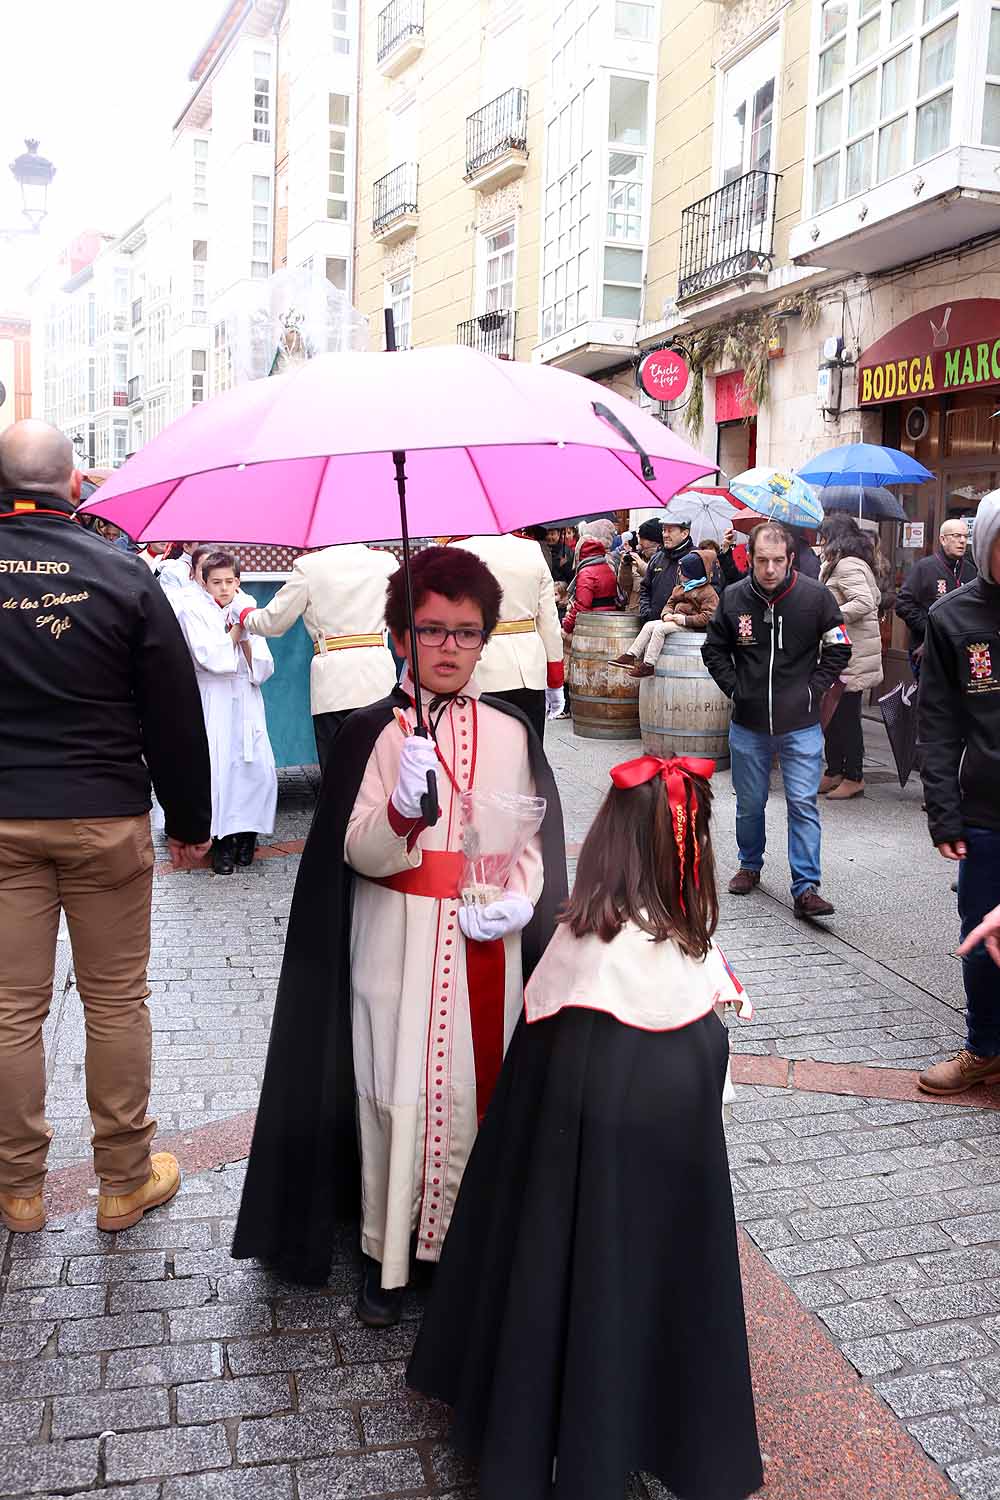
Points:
[(358, 447)]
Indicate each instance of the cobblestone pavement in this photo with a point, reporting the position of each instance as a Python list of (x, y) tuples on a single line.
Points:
[(151, 1365)]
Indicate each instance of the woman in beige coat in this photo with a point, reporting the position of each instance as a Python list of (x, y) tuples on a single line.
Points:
[(849, 573)]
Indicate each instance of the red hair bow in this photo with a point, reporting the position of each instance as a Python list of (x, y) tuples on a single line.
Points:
[(676, 773)]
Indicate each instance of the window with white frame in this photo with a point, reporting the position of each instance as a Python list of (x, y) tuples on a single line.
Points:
[(200, 172), (341, 26), (199, 267), (634, 20), (747, 133), (120, 436), (155, 416), (399, 296), (339, 118), (336, 272), (260, 255), (222, 357), (199, 367), (885, 90), (567, 222), (575, 42), (158, 346), (498, 251), (262, 97), (991, 105), (628, 164)]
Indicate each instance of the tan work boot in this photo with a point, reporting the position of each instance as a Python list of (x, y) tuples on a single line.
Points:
[(959, 1073), (828, 784), (846, 790), (122, 1210), (22, 1215)]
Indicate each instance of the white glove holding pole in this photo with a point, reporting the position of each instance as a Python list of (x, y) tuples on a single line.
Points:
[(484, 924), (555, 702), (417, 757)]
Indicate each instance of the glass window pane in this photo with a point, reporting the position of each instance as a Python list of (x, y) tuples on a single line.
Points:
[(991, 116), (622, 301), (828, 121), (627, 111), (622, 265), (859, 166), (937, 57), (993, 57), (834, 18), (862, 110), (831, 65), (633, 21), (934, 8), (896, 82), (933, 127), (825, 183), (891, 149), (865, 7), (868, 39), (900, 18)]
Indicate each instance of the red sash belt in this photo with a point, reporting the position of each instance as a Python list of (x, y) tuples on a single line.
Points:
[(438, 877)]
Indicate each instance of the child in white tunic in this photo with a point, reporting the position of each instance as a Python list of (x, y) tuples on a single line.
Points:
[(230, 668)]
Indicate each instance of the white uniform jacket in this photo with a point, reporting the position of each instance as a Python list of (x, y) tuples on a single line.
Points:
[(530, 656)]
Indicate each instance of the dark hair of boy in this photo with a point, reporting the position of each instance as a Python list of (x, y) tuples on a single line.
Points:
[(628, 870), (218, 560), (451, 572)]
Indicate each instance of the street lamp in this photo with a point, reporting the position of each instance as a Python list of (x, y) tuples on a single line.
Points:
[(33, 174)]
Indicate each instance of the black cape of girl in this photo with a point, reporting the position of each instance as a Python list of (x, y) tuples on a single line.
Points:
[(586, 1320), (303, 1176)]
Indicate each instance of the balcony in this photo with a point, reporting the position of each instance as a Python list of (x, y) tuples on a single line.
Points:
[(496, 140), (134, 392), (119, 398), (120, 323), (728, 236), (490, 333), (394, 211), (137, 312), (400, 36)]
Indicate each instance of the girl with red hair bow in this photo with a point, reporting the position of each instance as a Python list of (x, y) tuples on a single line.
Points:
[(586, 1319)]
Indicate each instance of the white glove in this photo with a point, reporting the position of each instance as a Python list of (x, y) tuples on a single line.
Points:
[(417, 757), (555, 702), (484, 924)]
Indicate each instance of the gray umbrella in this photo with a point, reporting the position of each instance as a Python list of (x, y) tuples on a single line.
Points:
[(871, 502)]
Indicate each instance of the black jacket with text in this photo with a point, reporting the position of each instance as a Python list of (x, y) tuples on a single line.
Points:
[(97, 691), (776, 656)]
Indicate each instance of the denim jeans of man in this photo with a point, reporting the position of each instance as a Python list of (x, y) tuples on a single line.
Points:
[(978, 893), (800, 755)]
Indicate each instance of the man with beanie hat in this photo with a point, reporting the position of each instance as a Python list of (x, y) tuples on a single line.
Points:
[(959, 740), (691, 606), (661, 575)]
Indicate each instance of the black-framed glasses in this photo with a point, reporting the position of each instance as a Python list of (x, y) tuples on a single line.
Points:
[(466, 639)]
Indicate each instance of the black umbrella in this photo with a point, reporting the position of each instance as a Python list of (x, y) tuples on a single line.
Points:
[(871, 502), (899, 715)]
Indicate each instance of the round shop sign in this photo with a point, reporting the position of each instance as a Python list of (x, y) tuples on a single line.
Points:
[(663, 374)]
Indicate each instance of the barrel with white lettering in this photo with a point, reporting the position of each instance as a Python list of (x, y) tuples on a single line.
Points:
[(681, 710)]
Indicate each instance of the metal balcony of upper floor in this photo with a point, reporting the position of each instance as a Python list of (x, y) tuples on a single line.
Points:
[(134, 390), (394, 203), (490, 332), (400, 36), (727, 237), (496, 140)]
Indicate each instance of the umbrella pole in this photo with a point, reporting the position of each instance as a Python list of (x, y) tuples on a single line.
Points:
[(429, 802)]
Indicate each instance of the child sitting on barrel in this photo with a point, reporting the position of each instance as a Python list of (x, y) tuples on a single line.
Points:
[(690, 607)]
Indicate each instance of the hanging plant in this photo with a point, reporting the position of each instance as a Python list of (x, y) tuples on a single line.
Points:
[(742, 342)]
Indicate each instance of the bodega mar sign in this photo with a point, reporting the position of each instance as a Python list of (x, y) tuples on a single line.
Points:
[(953, 347)]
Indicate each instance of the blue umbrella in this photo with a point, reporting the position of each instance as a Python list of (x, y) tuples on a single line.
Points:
[(777, 495), (864, 464), (875, 502)]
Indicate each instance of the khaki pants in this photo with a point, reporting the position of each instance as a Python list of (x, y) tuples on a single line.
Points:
[(649, 642), (100, 872)]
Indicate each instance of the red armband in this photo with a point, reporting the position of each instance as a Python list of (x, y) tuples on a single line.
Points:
[(244, 612), (556, 675)]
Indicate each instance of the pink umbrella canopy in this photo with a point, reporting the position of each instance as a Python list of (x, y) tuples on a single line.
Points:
[(307, 459)]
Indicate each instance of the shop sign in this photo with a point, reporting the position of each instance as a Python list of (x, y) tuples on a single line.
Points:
[(663, 374), (913, 534), (955, 346), (733, 403)]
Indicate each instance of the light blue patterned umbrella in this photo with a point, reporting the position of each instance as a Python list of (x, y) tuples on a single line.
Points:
[(778, 495)]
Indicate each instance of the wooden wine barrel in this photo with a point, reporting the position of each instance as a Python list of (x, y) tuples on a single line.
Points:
[(681, 711), (604, 700)]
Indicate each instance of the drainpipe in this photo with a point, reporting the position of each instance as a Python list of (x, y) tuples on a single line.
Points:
[(276, 31)]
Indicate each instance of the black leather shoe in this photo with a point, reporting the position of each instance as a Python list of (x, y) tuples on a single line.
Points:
[(246, 843), (378, 1308), (224, 855)]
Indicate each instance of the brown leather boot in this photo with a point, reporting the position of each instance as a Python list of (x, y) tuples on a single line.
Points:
[(812, 904), (122, 1210), (846, 790), (959, 1073), (828, 784), (22, 1215), (643, 669), (625, 660), (743, 882)]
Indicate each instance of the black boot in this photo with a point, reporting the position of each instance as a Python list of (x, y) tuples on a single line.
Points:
[(377, 1308), (246, 843), (224, 855)]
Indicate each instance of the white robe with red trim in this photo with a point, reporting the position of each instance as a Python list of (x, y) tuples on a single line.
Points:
[(414, 1054)]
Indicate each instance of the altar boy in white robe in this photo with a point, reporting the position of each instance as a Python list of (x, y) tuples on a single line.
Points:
[(230, 668)]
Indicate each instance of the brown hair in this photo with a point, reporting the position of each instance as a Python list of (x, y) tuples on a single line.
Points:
[(628, 870), (711, 544), (218, 559), (776, 532), (452, 572)]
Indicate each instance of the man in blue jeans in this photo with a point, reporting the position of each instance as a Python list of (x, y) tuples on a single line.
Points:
[(959, 738), (776, 644)]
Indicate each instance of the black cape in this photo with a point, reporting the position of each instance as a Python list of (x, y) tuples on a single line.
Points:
[(303, 1176), (588, 1306)]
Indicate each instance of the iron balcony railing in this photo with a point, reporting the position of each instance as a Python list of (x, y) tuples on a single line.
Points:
[(397, 23), (393, 195), (119, 398), (137, 312), (499, 127), (728, 234), (134, 388), (490, 332)]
